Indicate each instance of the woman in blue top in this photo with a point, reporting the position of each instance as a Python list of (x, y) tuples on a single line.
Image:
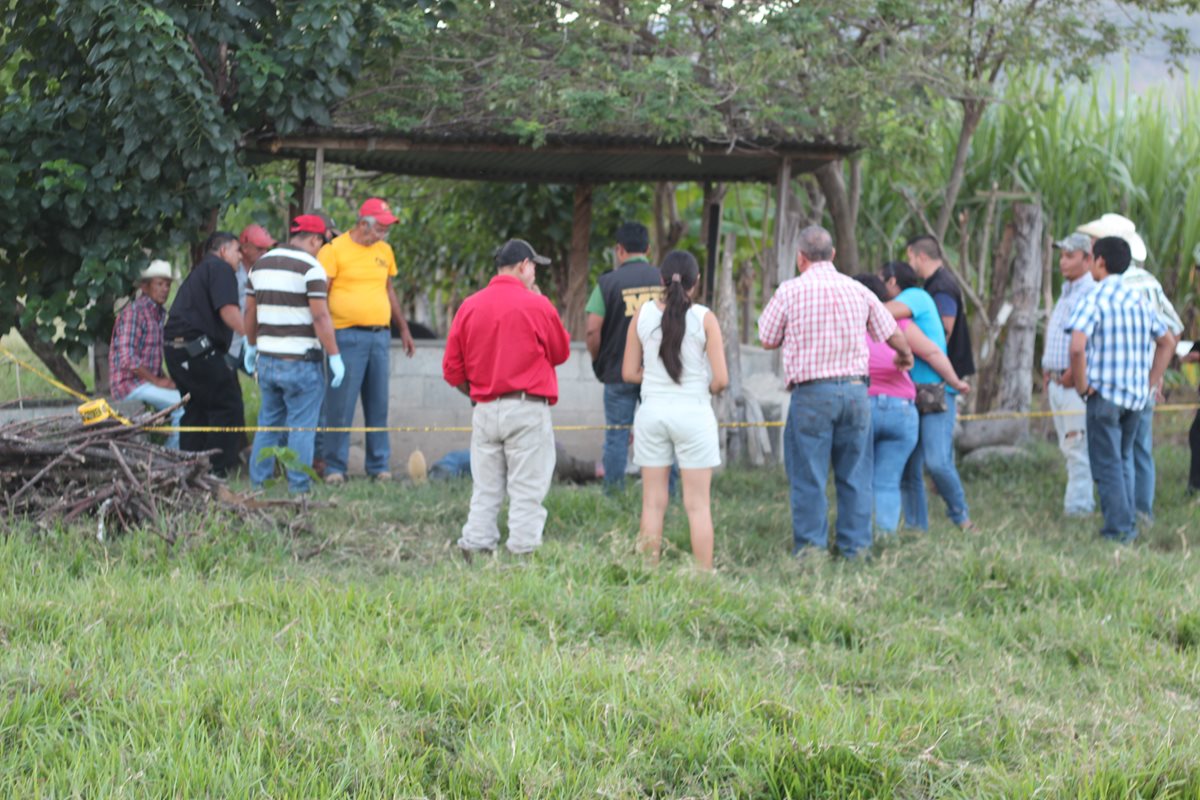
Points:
[(935, 447)]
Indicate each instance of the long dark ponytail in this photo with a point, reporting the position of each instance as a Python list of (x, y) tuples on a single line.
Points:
[(679, 275)]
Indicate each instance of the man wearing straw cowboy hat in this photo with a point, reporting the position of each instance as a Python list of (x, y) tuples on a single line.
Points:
[(1140, 467), (136, 351)]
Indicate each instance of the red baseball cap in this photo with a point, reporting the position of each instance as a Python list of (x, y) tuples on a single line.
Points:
[(308, 223), (256, 235), (377, 208)]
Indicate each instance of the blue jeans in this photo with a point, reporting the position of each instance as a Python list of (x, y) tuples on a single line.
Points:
[(159, 399), (1139, 467), (895, 428), (367, 358), (935, 452), (1111, 430), (620, 401), (827, 422), (291, 397)]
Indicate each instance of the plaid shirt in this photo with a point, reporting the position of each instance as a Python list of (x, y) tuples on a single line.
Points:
[(819, 318), (137, 341), (1119, 327), (1057, 355)]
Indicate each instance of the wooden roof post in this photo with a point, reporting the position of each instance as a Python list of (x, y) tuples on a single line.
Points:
[(784, 261), (712, 213), (299, 198), (318, 178), (578, 267)]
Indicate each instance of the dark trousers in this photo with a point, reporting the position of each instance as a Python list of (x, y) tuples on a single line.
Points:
[(1194, 442), (216, 401)]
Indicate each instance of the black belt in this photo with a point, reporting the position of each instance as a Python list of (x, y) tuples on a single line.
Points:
[(192, 348), (863, 379), (314, 356), (370, 328)]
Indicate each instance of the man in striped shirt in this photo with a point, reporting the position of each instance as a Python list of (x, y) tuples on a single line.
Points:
[(819, 319), (1112, 331), (287, 323)]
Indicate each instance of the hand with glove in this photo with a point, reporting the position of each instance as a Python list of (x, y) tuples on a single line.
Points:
[(338, 369), (250, 358)]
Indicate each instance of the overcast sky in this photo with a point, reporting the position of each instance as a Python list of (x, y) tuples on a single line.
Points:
[(1148, 67)]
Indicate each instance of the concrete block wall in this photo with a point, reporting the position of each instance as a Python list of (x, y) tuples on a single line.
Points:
[(419, 397)]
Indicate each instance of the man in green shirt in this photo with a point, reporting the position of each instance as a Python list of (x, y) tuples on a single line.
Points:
[(616, 299)]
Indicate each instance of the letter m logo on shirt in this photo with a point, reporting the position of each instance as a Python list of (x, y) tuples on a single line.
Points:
[(636, 297)]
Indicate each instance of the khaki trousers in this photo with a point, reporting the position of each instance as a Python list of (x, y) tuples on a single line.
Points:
[(512, 450), (1072, 441)]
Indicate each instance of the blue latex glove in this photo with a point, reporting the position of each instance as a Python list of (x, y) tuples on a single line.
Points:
[(338, 369), (249, 358)]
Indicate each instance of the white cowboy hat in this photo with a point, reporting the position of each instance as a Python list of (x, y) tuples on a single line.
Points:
[(1108, 225), (157, 269), (1137, 247)]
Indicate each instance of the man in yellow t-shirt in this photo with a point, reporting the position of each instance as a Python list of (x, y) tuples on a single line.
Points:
[(360, 266)]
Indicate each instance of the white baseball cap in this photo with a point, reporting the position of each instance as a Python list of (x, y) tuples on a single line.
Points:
[(157, 269)]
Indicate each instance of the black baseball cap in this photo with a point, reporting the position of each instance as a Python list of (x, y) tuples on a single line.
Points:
[(514, 251)]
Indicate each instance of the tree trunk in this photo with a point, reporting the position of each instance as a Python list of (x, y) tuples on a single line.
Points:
[(1016, 365), (100, 367), (710, 234), (731, 404), (841, 208), (787, 226), (577, 263), (55, 362), (987, 387), (972, 113), (668, 227)]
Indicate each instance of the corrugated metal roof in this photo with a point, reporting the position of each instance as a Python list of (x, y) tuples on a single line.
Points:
[(570, 158)]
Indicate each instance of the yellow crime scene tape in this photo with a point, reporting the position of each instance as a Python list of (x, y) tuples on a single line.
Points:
[(92, 410), (95, 410), (995, 415)]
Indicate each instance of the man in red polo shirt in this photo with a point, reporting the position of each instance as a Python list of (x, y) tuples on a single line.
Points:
[(502, 349)]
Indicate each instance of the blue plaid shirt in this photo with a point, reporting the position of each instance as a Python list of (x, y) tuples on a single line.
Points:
[(1119, 325), (1057, 356)]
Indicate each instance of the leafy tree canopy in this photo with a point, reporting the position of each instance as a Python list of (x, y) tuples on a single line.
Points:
[(729, 69), (121, 127)]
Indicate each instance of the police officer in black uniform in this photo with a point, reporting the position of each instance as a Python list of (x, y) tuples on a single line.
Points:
[(617, 297), (198, 332)]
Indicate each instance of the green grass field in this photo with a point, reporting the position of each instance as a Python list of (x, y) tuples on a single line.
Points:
[(358, 657)]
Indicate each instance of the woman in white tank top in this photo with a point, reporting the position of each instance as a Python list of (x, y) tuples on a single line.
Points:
[(674, 350)]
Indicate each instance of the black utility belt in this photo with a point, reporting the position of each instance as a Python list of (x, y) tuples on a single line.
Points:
[(193, 348)]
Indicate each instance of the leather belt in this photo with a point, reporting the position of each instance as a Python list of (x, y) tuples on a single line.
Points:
[(836, 379), (370, 328), (533, 398)]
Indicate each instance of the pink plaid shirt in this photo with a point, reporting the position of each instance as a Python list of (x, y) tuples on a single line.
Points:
[(819, 317), (137, 341)]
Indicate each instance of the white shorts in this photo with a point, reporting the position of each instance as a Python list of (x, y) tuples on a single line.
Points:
[(670, 429)]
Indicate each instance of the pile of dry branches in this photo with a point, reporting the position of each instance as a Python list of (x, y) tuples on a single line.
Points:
[(57, 469)]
